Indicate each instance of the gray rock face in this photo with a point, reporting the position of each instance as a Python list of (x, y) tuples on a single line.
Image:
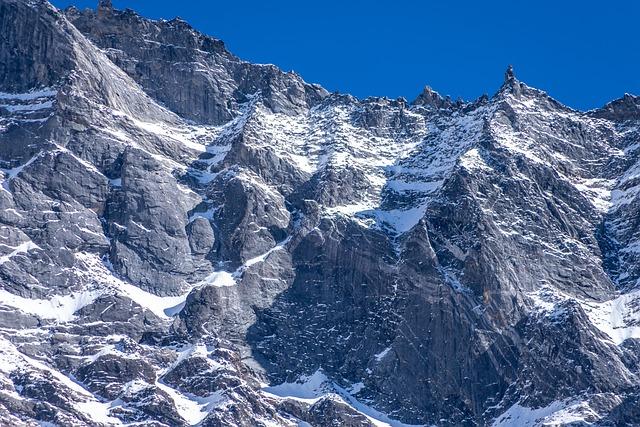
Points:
[(167, 57), (431, 98), (252, 218), (148, 223), (190, 239), (106, 375), (35, 53)]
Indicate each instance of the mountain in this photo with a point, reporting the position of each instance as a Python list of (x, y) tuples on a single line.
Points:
[(192, 239)]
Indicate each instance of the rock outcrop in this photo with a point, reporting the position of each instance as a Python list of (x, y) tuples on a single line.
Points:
[(190, 239)]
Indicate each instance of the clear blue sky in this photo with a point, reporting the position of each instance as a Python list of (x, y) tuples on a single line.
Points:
[(583, 53)]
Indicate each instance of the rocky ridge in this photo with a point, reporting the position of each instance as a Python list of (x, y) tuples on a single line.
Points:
[(191, 239)]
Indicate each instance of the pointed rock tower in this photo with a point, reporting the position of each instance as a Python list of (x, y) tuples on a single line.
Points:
[(509, 75), (431, 98), (105, 6), (511, 83)]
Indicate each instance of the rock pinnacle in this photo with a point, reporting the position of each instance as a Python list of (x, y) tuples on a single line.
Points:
[(509, 75), (105, 5)]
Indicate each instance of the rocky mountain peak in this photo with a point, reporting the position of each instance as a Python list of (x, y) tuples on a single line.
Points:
[(105, 5), (623, 109), (511, 85), (189, 239), (431, 98), (147, 51), (509, 74)]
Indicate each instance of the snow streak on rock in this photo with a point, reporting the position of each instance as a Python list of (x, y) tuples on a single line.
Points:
[(190, 239)]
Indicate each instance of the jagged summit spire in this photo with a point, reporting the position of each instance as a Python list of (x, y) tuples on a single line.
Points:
[(430, 97), (510, 84), (509, 75), (105, 5)]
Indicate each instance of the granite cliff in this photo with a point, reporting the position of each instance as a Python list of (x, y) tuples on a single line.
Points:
[(191, 239)]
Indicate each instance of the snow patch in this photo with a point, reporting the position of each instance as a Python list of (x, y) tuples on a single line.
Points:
[(414, 186), (556, 413), (12, 108), (263, 257), (163, 307), (619, 318), (220, 279), (308, 387), (59, 308), (22, 248), (382, 354), (472, 160), (598, 191), (311, 388), (192, 408), (193, 137), (402, 220), (30, 96), (11, 359)]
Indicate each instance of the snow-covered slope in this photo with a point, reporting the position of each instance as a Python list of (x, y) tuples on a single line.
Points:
[(190, 239)]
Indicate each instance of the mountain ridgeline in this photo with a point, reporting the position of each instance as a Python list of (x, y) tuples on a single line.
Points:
[(187, 238)]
